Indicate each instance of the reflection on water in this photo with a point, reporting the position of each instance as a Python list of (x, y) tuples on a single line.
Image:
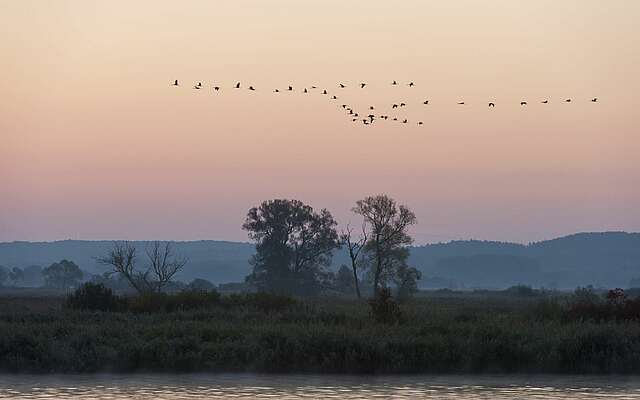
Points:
[(249, 386)]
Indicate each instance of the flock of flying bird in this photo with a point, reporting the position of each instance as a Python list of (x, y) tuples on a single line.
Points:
[(355, 116)]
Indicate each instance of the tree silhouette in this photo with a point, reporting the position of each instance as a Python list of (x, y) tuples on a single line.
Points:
[(294, 245)]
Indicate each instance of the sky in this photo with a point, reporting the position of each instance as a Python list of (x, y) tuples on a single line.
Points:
[(95, 143)]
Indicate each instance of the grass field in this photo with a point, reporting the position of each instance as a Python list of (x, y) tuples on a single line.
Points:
[(437, 332)]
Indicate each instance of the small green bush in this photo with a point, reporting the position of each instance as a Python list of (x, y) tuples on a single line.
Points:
[(94, 297)]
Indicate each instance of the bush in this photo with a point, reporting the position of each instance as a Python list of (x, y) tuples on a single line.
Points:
[(94, 297), (263, 301), (384, 308), (181, 301)]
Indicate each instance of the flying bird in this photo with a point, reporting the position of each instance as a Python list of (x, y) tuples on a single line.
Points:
[(370, 107), (419, 122), (196, 87), (411, 84), (523, 103), (251, 88), (175, 83), (595, 99), (545, 101), (344, 106), (492, 105), (314, 87), (334, 97), (290, 88), (404, 121), (394, 106), (238, 85), (324, 91), (199, 84), (276, 91), (216, 88), (567, 101), (362, 85), (395, 118), (394, 83), (305, 90), (461, 103), (402, 104), (425, 102), (342, 86)]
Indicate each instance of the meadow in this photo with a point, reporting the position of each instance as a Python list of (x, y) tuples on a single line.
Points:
[(435, 332)]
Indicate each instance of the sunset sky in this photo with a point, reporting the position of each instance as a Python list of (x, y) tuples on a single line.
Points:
[(96, 143)]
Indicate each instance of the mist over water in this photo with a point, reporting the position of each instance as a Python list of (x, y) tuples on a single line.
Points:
[(202, 386)]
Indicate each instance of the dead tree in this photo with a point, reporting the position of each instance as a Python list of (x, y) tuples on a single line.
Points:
[(355, 247)]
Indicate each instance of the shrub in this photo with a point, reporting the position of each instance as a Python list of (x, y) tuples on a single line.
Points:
[(94, 297), (384, 308), (181, 301), (263, 301)]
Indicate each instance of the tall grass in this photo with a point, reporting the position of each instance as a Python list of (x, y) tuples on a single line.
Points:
[(454, 333)]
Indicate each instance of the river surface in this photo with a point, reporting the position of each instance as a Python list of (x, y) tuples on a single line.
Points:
[(250, 386)]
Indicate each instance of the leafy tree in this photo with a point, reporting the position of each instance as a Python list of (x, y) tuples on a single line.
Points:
[(201, 285), (386, 224), (294, 245), (62, 275), (163, 265), (4, 275), (16, 275), (344, 281)]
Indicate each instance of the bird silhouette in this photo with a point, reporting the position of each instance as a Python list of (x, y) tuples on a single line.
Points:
[(385, 117), (394, 83), (196, 87), (334, 98), (419, 122), (425, 102), (251, 88), (461, 103), (290, 88), (595, 99), (175, 83), (305, 90), (199, 84), (523, 103), (216, 88), (395, 118), (567, 101), (492, 105), (545, 101), (350, 111), (238, 85), (402, 104), (404, 121), (362, 85), (355, 115), (411, 84), (344, 106), (394, 106), (314, 87), (324, 91), (371, 107), (276, 91), (342, 86), (354, 119)]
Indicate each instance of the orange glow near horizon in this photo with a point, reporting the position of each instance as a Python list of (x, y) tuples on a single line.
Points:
[(96, 144)]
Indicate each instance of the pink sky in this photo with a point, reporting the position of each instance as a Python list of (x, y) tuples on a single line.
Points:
[(95, 144)]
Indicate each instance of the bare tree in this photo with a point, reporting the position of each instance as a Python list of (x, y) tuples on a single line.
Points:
[(164, 264), (387, 223), (355, 246)]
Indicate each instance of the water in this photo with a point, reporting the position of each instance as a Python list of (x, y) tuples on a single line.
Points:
[(249, 386)]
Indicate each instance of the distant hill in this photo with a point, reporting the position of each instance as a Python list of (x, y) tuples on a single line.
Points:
[(607, 259)]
